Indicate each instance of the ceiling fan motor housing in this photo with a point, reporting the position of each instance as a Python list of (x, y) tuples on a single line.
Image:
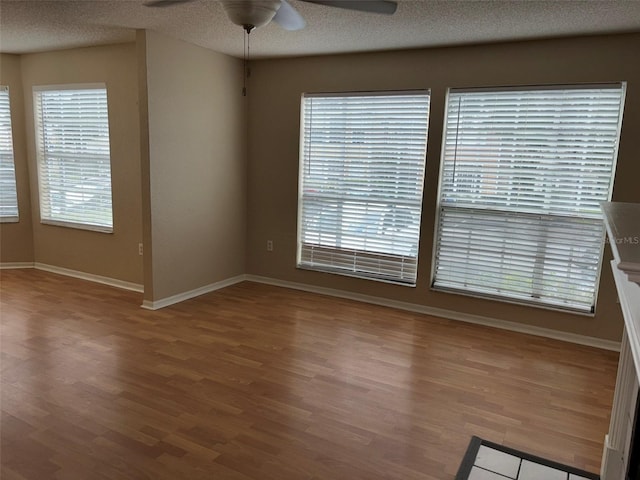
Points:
[(251, 13)]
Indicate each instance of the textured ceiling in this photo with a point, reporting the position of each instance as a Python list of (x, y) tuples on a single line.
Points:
[(37, 25)]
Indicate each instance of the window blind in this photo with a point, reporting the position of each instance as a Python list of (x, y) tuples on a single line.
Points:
[(8, 193), (362, 161), (522, 175), (74, 164)]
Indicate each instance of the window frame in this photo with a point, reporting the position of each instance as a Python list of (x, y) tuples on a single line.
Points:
[(359, 255), (13, 218), (37, 90), (439, 199)]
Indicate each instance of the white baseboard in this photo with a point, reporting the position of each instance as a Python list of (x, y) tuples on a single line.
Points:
[(113, 282), (448, 314), (181, 297), (12, 265), (436, 312)]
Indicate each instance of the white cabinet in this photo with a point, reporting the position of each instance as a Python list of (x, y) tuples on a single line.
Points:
[(623, 227)]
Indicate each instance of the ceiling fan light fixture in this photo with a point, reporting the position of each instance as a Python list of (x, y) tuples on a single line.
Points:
[(250, 13)]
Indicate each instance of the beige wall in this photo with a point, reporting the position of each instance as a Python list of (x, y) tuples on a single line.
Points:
[(196, 166), (183, 183), (110, 255), (275, 89), (16, 239)]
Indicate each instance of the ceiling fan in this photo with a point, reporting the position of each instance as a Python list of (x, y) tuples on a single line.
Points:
[(251, 14)]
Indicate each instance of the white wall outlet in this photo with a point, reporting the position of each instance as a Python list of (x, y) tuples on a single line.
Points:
[(269, 245), (139, 249)]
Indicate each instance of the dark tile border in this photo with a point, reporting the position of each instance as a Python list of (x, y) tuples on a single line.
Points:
[(474, 445), (469, 459)]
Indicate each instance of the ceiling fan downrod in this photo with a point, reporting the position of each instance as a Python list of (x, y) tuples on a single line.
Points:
[(246, 54)]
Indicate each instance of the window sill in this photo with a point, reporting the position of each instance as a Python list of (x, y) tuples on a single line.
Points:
[(78, 226)]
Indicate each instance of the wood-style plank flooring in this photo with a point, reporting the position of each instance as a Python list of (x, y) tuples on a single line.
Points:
[(260, 382)]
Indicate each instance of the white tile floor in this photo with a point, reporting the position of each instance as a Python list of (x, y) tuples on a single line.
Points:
[(493, 464)]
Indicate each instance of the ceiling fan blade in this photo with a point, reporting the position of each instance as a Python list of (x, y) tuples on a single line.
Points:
[(164, 3), (385, 7), (288, 17)]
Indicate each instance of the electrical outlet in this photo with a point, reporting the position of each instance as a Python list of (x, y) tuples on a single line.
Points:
[(139, 249), (269, 245)]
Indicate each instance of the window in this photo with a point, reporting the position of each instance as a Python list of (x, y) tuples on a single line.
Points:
[(362, 160), (74, 167), (8, 193), (523, 172)]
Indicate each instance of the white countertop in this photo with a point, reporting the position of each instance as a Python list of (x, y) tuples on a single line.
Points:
[(623, 226)]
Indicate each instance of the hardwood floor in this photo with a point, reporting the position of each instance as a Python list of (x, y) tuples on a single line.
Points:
[(259, 382)]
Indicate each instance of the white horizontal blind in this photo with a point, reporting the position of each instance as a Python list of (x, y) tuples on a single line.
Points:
[(523, 172), (362, 164), (8, 193), (74, 163)]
